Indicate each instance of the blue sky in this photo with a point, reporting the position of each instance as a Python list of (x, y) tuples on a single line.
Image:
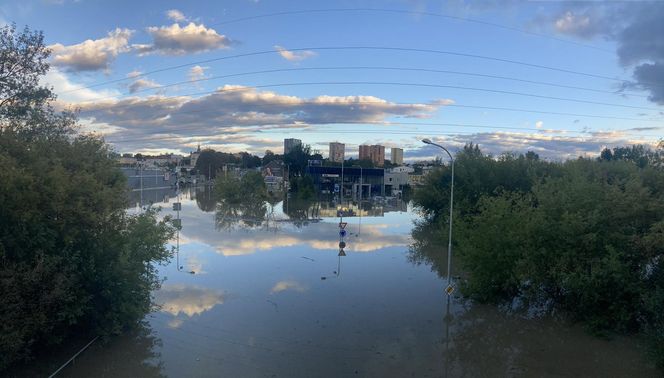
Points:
[(358, 95)]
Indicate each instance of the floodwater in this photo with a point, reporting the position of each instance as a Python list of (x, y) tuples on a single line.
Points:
[(262, 292)]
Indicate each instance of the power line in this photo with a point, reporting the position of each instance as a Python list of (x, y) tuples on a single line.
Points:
[(355, 48), (407, 12), (387, 68), (520, 110), (381, 132), (552, 113), (421, 85), (385, 124)]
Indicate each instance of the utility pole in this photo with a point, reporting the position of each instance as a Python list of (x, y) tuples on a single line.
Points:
[(342, 184)]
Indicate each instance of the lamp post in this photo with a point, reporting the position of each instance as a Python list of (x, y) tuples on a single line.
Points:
[(449, 245)]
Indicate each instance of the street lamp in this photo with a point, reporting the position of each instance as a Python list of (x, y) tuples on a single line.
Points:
[(449, 245)]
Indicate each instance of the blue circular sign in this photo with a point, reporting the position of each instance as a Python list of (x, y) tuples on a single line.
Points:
[(342, 233)]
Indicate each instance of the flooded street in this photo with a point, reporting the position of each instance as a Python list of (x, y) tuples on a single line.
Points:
[(268, 295)]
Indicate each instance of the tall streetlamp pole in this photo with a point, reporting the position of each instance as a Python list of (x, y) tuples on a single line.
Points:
[(449, 245)]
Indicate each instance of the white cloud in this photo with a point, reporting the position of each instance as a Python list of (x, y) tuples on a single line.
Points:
[(557, 147), (70, 93), (234, 109), (141, 84), (197, 72), (177, 40), (187, 300), (175, 15), (319, 237), (539, 124), (92, 55), (288, 285), (572, 23), (294, 56), (134, 73)]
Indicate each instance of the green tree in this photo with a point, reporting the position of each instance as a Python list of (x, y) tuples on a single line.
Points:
[(270, 156), (303, 188), (583, 237), (210, 162), (297, 160), (71, 260)]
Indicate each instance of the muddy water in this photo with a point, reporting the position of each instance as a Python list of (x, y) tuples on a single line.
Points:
[(264, 293)]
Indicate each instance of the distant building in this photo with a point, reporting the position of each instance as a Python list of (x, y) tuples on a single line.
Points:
[(273, 175), (193, 156), (337, 152), (354, 182), (290, 143), (403, 169), (396, 156), (273, 168), (375, 153), (396, 179), (127, 161), (365, 153)]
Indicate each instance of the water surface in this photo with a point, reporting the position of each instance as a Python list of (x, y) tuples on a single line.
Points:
[(262, 292)]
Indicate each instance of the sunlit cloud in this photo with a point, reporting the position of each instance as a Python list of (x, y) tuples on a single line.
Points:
[(179, 40), (142, 84), (91, 55), (547, 145), (169, 122), (69, 93), (288, 285), (319, 237), (294, 56), (175, 15), (188, 300), (197, 73)]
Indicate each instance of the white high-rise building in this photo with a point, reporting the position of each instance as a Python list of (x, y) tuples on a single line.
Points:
[(337, 152)]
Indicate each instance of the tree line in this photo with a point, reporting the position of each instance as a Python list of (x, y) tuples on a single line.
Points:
[(584, 236)]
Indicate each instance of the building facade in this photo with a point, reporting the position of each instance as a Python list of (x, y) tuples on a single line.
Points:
[(396, 156), (193, 156), (395, 181), (351, 182), (337, 152), (375, 153), (290, 143), (365, 153)]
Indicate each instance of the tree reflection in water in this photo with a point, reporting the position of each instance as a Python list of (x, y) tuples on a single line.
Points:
[(428, 246), (301, 211), (246, 214), (205, 198), (134, 354)]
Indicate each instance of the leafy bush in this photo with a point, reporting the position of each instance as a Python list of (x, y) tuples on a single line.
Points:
[(584, 236)]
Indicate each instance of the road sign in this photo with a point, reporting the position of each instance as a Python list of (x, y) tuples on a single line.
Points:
[(341, 253), (449, 289), (336, 188), (177, 206), (342, 233), (342, 244), (177, 223), (342, 225)]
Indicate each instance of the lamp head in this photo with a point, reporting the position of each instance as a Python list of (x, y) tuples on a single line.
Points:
[(426, 141)]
